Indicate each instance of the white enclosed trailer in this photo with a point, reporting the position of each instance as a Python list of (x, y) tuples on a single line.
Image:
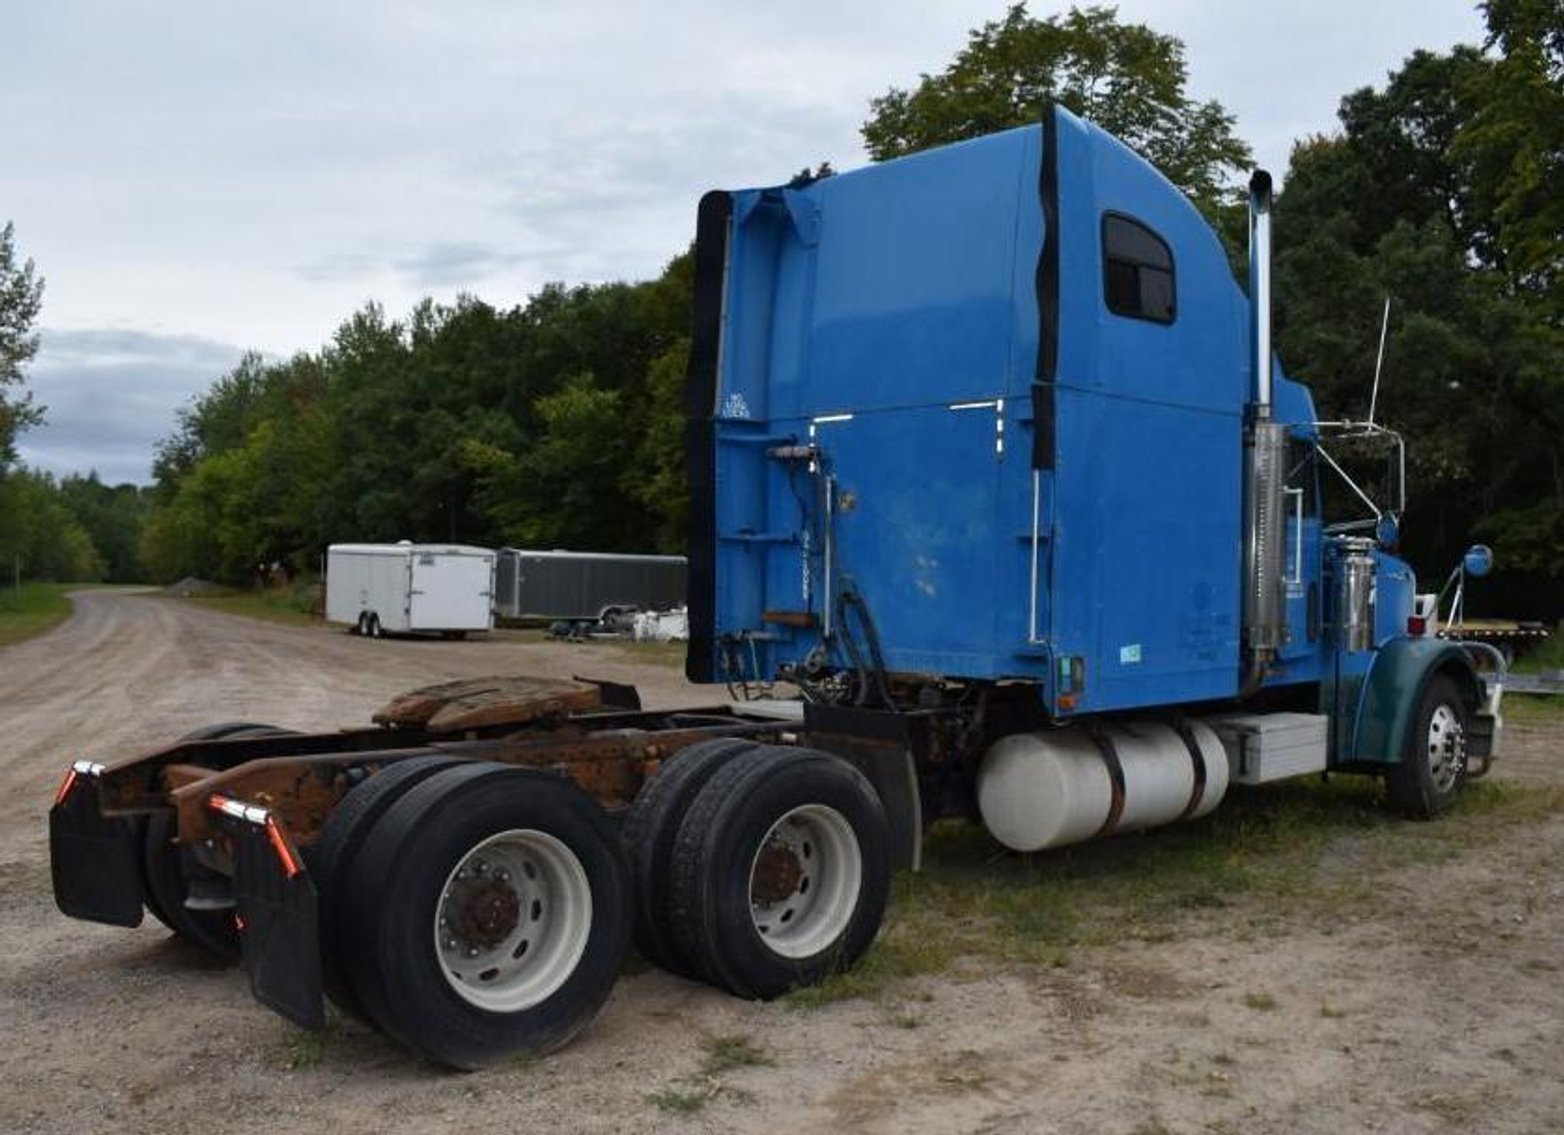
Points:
[(410, 588)]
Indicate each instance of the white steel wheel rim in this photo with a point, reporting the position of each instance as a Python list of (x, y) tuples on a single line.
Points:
[(804, 881), (512, 922), (1446, 747)]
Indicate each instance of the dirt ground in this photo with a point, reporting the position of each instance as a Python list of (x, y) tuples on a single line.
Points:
[(1443, 1011)]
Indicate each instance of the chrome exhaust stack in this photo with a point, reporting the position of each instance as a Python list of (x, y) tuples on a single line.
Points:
[(1265, 471)]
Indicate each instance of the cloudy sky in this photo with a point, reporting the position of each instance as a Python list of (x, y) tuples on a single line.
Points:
[(198, 179)]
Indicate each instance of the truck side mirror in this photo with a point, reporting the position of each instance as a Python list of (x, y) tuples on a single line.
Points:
[(1478, 560)]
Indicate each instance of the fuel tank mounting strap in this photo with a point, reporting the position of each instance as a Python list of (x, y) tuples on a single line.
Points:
[(1110, 758)]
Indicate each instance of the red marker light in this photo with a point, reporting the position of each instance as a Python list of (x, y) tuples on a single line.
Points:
[(280, 846), (1417, 626), (66, 785)]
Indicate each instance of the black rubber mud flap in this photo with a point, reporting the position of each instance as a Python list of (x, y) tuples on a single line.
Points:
[(95, 859), (279, 924)]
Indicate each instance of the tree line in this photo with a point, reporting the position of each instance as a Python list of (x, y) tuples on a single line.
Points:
[(557, 423)]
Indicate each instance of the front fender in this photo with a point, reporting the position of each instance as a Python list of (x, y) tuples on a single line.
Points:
[(1393, 687)]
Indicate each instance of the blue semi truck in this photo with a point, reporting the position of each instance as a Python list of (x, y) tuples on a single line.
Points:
[(1001, 509)]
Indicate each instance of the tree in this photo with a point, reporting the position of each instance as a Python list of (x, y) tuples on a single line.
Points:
[(1403, 203), (21, 297), (1125, 77), (1514, 140)]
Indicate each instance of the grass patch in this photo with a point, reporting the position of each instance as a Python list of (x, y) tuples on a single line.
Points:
[(304, 1049), (724, 1053), (36, 608), (1546, 655), (1265, 859), (1260, 1002), (682, 1101), (289, 606), (1532, 709)]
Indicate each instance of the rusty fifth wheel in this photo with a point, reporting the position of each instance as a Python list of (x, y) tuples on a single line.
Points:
[(780, 871), (489, 914)]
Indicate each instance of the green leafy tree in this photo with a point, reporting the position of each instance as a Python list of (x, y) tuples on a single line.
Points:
[(39, 534), (1401, 203), (1125, 77), (21, 298), (112, 517), (1513, 141)]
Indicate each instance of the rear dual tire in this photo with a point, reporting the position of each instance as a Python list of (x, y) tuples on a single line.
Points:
[(332, 859), (650, 830), (488, 913), (780, 872)]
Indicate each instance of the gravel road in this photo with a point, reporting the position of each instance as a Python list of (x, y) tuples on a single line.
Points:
[(1442, 1010)]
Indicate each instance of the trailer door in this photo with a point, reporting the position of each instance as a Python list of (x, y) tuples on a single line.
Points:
[(450, 593)]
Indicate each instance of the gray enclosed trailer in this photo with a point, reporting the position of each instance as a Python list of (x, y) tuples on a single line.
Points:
[(584, 585)]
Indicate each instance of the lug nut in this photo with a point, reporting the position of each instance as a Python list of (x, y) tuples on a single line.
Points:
[(472, 951)]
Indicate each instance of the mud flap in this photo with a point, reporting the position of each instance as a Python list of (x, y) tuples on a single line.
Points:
[(95, 860), (279, 924)]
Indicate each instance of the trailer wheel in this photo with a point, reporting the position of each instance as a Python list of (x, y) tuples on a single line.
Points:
[(781, 871), (375, 630), (650, 828), (332, 857), (1432, 770), (495, 914)]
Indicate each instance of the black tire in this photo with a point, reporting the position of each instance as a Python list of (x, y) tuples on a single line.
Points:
[(404, 881), (163, 871), (650, 828), (734, 914), (332, 856), (360, 628), (167, 886), (375, 630), (1432, 771)]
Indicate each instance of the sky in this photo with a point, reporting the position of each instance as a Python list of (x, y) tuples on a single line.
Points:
[(198, 180)]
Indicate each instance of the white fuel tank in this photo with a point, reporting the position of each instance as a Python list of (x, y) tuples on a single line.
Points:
[(1061, 786)]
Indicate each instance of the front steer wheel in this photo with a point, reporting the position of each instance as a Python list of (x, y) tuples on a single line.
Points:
[(1432, 771), (492, 914), (780, 872)]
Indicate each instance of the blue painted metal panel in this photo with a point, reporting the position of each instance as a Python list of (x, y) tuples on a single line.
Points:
[(890, 317)]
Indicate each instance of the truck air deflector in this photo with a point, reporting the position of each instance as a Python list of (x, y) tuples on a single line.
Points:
[(1043, 447), (700, 397)]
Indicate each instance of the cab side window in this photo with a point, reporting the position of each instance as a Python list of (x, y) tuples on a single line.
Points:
[(1137, 270)]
